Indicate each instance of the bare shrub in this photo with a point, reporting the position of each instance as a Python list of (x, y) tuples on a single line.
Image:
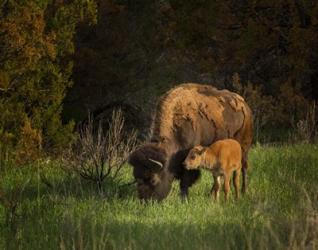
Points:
[(288, 108), (292, 105), (263, 106), (99, 155), (306, 128)]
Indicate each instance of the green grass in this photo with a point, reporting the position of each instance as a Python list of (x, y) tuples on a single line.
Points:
[(276, 212)]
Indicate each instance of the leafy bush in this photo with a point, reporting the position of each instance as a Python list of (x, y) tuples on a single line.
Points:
[(35, 71)]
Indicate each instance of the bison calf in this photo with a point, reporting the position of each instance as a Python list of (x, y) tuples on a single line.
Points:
[(222, 158)]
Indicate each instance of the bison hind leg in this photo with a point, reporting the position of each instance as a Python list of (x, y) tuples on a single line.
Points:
[(244, 174), (236, 182)]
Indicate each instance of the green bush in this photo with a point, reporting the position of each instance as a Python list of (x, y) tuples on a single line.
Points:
[(36, 39)]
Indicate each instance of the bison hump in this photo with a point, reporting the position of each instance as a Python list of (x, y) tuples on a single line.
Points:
[(182, 111)]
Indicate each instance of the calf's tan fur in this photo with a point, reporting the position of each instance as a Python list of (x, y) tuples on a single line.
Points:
[(222, 158)]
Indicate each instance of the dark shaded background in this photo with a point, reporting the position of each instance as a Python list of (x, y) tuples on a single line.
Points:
[(139, 49)]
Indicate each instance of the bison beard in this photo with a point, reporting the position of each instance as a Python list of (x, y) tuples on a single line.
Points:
[(186, 116), (153, 179)]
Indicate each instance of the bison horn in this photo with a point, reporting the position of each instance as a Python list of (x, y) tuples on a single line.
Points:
[(156, 162)]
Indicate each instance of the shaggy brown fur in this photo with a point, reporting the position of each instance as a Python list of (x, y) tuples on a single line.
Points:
[(222, 158), (188, 115)]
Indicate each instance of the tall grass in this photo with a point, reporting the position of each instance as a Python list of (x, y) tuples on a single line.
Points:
[(58, 210)]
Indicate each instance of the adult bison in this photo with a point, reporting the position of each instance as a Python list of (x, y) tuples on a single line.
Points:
[(188, 115)]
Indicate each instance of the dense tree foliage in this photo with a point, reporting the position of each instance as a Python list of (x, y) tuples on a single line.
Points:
[(36, 45), (269, 42)]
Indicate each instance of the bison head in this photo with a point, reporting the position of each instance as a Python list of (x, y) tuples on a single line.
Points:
[(150, 172)]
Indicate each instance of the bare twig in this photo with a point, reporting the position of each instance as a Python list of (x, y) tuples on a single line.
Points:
[(98, 155)]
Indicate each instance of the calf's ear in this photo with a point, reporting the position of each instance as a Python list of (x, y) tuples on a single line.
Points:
[(201, 151)]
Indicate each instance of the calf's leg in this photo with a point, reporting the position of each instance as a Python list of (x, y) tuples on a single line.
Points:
[(226, 185), (216, 187)]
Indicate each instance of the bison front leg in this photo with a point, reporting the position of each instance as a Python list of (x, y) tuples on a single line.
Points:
[(188, 178)]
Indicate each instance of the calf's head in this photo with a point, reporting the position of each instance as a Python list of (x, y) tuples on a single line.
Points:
[(194, 158), (150, 172)]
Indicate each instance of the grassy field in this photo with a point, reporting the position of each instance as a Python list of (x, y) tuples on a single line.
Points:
[(59, 210)]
